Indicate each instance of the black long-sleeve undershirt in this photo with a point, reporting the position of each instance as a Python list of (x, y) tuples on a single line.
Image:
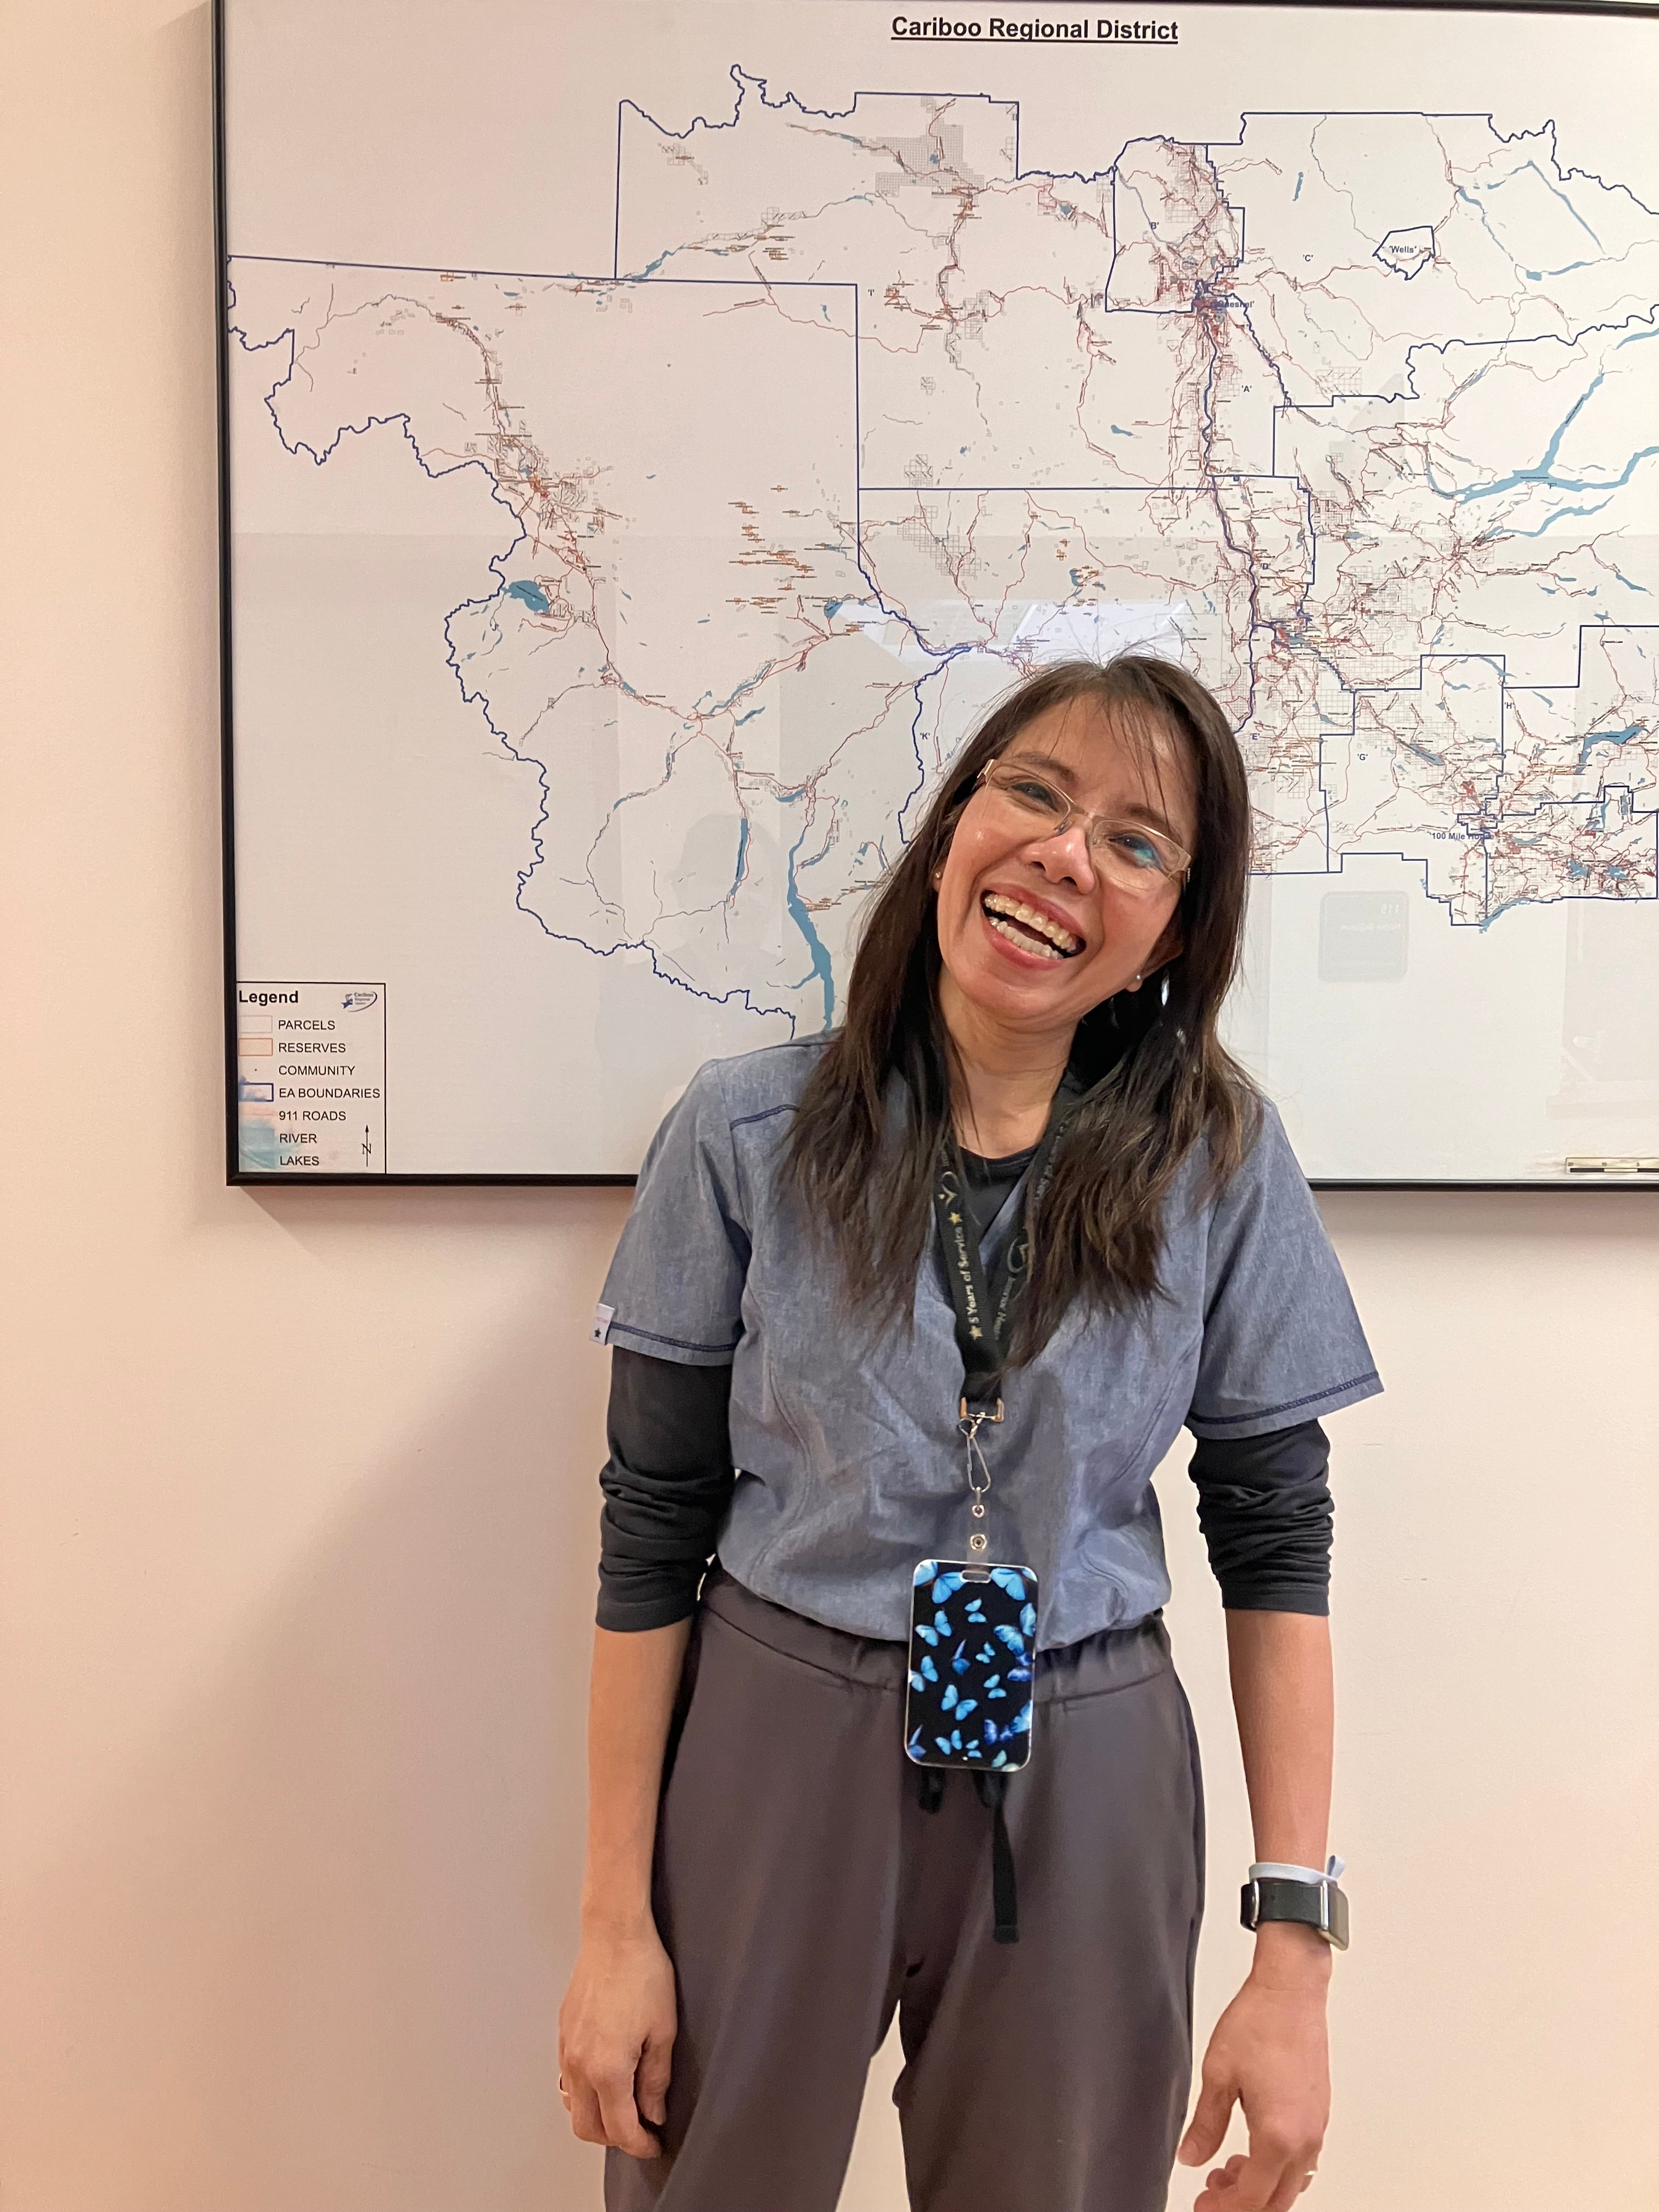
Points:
[(667, 1484)]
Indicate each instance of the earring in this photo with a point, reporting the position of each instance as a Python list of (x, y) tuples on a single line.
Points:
[(1164, 991), (1138, 982)]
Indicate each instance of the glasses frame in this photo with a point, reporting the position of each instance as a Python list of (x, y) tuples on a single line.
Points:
[(986, 781)]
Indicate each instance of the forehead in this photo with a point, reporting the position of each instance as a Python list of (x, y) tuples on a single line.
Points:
[(1110, 755)]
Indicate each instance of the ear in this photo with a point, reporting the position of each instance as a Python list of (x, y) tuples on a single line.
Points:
[(1169, 947)]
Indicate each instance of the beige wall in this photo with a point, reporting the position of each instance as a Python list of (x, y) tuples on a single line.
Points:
[(299, 1501)]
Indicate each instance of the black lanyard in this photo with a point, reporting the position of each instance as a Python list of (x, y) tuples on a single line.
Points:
[(986, 1310)]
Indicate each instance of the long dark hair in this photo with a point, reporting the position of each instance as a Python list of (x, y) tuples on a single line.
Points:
[(1165, 1082)]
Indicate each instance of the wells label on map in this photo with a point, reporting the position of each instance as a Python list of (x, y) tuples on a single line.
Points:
[(311, 1078)]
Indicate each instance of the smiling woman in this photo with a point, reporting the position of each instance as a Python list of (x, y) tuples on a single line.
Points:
[(907, 1314), (1108, 804)]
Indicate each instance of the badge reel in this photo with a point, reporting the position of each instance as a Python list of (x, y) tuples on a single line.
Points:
[(973, 1644)]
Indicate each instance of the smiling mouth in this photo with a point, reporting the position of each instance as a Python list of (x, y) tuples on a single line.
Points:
[(1025, 927)]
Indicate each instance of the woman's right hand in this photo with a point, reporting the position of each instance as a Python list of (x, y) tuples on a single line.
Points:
[(616, 2039)]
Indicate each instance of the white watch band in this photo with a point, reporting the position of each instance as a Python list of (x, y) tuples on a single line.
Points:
[(1274, 1871)]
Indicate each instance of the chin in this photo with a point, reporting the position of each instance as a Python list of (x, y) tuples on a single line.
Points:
[(1009, 994)]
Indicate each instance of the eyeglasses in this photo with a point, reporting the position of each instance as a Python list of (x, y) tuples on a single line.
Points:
[(1135, 858)]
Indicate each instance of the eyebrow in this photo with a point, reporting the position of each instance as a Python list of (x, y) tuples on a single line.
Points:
[(1150, 815)]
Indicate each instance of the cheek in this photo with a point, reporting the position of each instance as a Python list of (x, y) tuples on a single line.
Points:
[(1147, 932), (957, 874), (1129, 936)]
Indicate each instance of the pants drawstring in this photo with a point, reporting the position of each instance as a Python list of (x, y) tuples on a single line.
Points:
[(991, 1789)]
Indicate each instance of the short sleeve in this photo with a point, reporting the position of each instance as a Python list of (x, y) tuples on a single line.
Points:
[(675, 1288), (1282, 1342)]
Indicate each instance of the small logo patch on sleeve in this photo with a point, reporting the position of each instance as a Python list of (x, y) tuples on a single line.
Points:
[(603, 1317)]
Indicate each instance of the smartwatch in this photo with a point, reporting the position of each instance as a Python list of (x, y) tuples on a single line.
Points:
[(1299, 1894)]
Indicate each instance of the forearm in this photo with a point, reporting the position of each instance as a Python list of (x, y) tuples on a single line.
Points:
[(1280, 1665), (630, 1704)]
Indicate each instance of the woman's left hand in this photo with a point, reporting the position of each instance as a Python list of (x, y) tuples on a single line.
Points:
[(1269, 2054)]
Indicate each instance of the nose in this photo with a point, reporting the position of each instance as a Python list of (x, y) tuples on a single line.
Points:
[(1065, 858)]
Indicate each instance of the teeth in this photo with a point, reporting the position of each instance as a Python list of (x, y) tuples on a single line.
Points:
[(1038, 950), (996, 903)]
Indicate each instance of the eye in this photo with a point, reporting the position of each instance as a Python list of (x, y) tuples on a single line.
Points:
[(1032, 791), (1139, 850)]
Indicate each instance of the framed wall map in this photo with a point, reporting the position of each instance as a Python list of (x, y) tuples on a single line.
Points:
[(652, 435)]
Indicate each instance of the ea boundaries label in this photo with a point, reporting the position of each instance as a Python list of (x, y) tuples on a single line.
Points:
[(311, 1078)]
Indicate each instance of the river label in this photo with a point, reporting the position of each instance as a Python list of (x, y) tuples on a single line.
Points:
[(311, 1078)]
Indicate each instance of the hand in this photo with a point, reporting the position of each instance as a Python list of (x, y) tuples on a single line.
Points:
[(616, 2039), (1269, 2052)]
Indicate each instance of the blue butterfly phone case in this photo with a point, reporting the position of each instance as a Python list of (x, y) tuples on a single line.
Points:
[(973, 1643)]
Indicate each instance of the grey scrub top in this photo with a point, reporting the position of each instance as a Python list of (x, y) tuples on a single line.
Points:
[(850, 1465)]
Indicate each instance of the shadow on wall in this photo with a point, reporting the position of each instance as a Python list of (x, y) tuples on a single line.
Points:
[(352, 1868)]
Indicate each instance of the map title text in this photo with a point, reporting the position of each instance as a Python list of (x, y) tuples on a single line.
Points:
[(1090, 30)]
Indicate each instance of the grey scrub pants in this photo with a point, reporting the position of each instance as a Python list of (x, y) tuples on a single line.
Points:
[(804, 1892)]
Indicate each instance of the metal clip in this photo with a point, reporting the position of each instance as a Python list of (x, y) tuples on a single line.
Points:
[(972, 1418)]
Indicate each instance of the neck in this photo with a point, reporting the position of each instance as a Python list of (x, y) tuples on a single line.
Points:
[(1004, 1079)]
